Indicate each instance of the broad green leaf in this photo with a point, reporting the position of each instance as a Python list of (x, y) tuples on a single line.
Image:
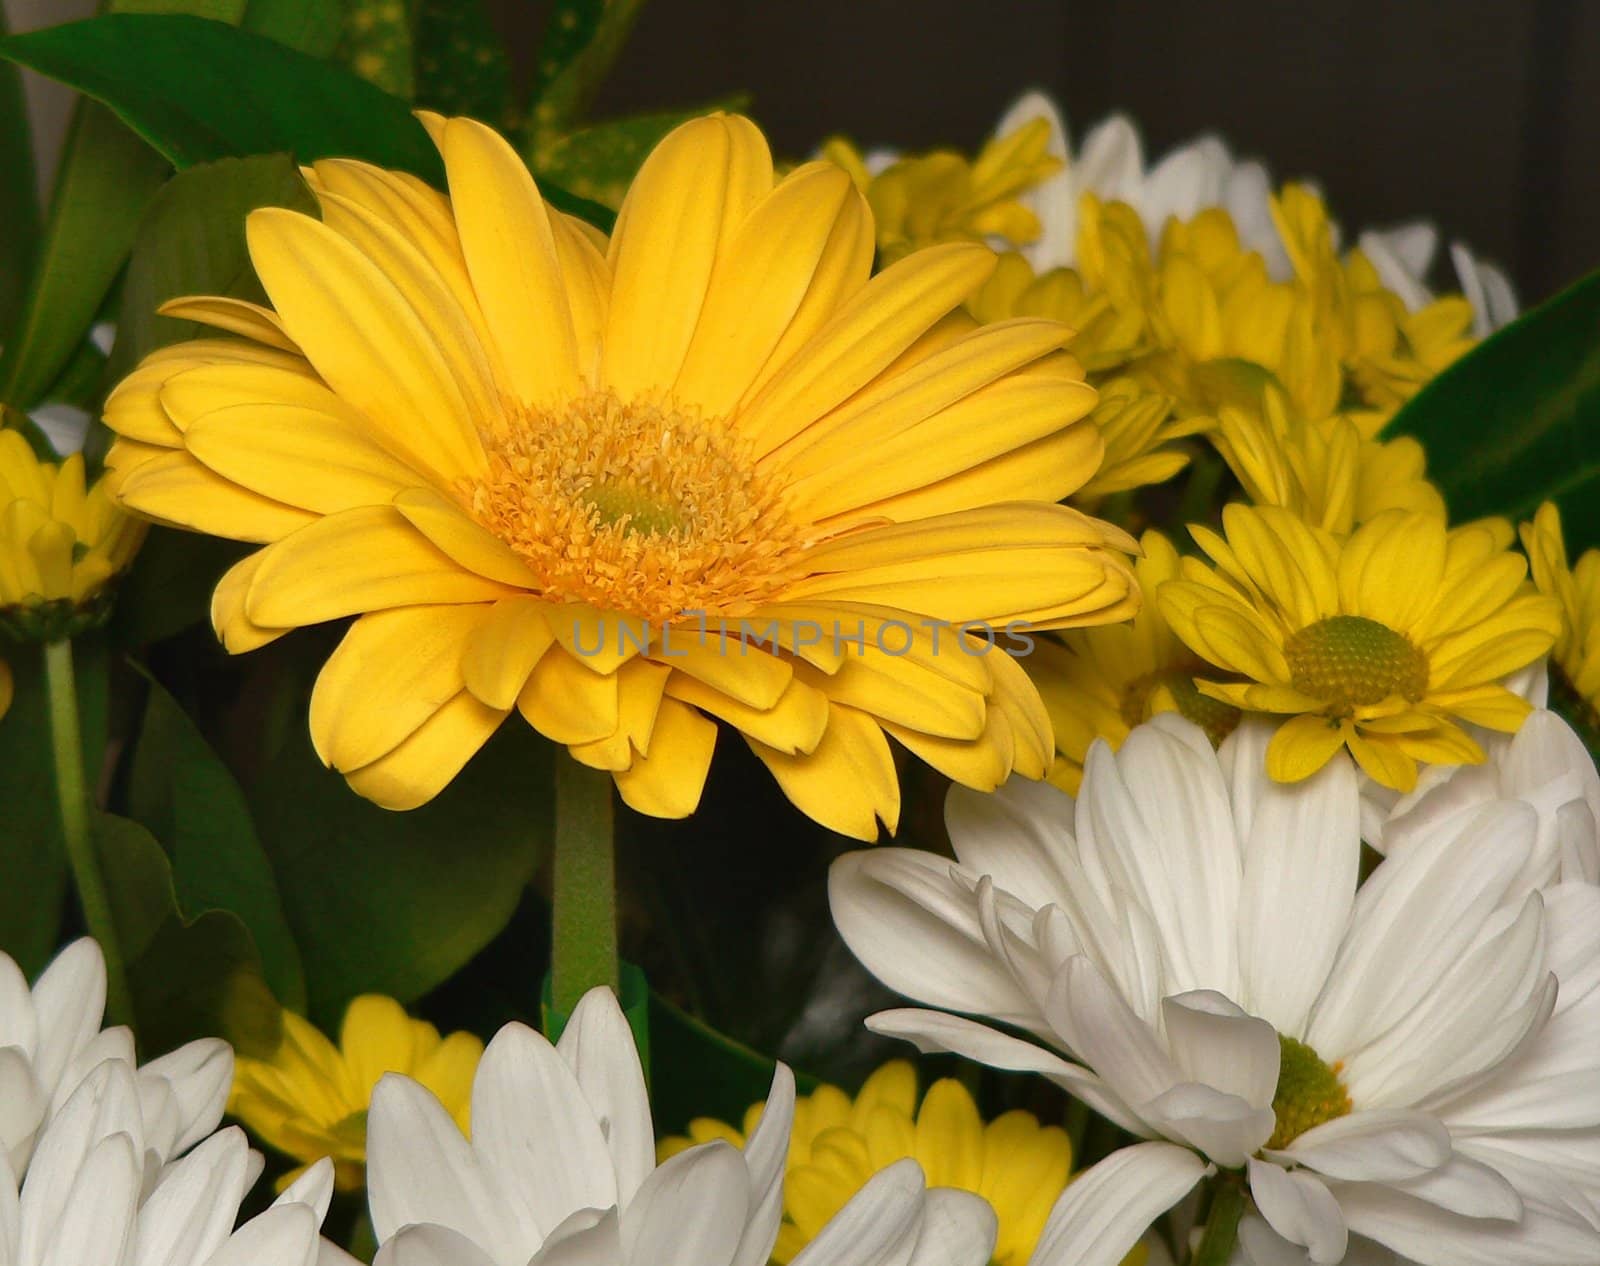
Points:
[(698, 1072), (376, 44), (312, 26), (462, 66), (33, 892), (600, 162), (19, 196), (191, 975), (396, 903), (1517, 420), (199, 91), (183, 793), (191, 241), (107, 178), (581, 41)]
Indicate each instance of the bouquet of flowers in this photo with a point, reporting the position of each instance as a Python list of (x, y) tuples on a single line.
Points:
[(612, 696)]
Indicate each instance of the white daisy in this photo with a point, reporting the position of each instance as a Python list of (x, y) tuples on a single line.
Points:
[(560, 1171), (1204, 173), (50, 1039), (1416, 1063), (89, 1200)]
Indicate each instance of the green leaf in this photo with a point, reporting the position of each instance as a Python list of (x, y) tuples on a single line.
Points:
[(186, 796), (312, 26), (698, 1072), (191, 241), (170, 585), (107, 178), (462, 67), (600, 162), (376, 44), (33, 859), (190, 976), (19, 198), (581, 41), (396, 903), (1517, 420), (199, 91)]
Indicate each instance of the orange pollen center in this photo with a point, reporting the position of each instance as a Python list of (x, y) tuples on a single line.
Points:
[(640, 508)]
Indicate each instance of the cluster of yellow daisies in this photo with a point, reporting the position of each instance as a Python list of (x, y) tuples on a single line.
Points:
[(1335, 593)]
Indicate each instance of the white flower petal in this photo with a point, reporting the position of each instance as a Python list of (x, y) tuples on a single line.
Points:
[(1105, 1209), (96, 1222), (1426, 1234), (22, 1106), (691, 1211), (285, 1235), (1300, 1208), (958, 1229), (69, 999), (534, 1130), (917, 930), (587, 1238), (421, 1169), (429, 1245), (877, 1227), (766, 1153), (599, 1047), (314, 1189), (933, 1031), (19, 1025), (1216, 1043), (198, 1074), (193, 1207), (1384, 1145), (1017, 835), (1101, 1029), (1302, 857), (1223, 1126)]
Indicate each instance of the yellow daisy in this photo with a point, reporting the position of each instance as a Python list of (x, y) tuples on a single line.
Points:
[(923, 199), (1100, 683), (1019, 1166), (309, 1099), (1380, 642), (1324, 471), (706, 470), (1576, 654), (62, 542)]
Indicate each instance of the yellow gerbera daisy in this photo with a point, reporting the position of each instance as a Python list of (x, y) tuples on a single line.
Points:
[(61, 542), (1100, 683), (1576, 654), (924, 199), (310, 1098), (1019, 1166), (1379, 643), (709, 469)]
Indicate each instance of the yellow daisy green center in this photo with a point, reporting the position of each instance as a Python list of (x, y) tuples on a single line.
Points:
[(1351, 661), (1216, 718), (639, 507), (1309, 1092)]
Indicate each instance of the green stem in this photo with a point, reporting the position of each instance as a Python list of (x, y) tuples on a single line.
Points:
[(72, 797), (1222, 1225), (584, 949)]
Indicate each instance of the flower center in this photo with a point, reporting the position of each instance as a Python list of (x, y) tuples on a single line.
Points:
[(641, 508), (1352, 662), (1309, 1092), (1216, 718)]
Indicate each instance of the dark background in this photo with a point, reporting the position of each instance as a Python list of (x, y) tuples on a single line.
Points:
[(1483, 115)]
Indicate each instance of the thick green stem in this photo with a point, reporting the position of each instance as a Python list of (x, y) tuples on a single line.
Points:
[(584, 952), (1222, 1225), (72, 797)]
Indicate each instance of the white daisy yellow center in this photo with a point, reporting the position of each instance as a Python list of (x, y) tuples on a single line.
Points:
[(1352, 662), (1309, 1092), (638, 507)]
